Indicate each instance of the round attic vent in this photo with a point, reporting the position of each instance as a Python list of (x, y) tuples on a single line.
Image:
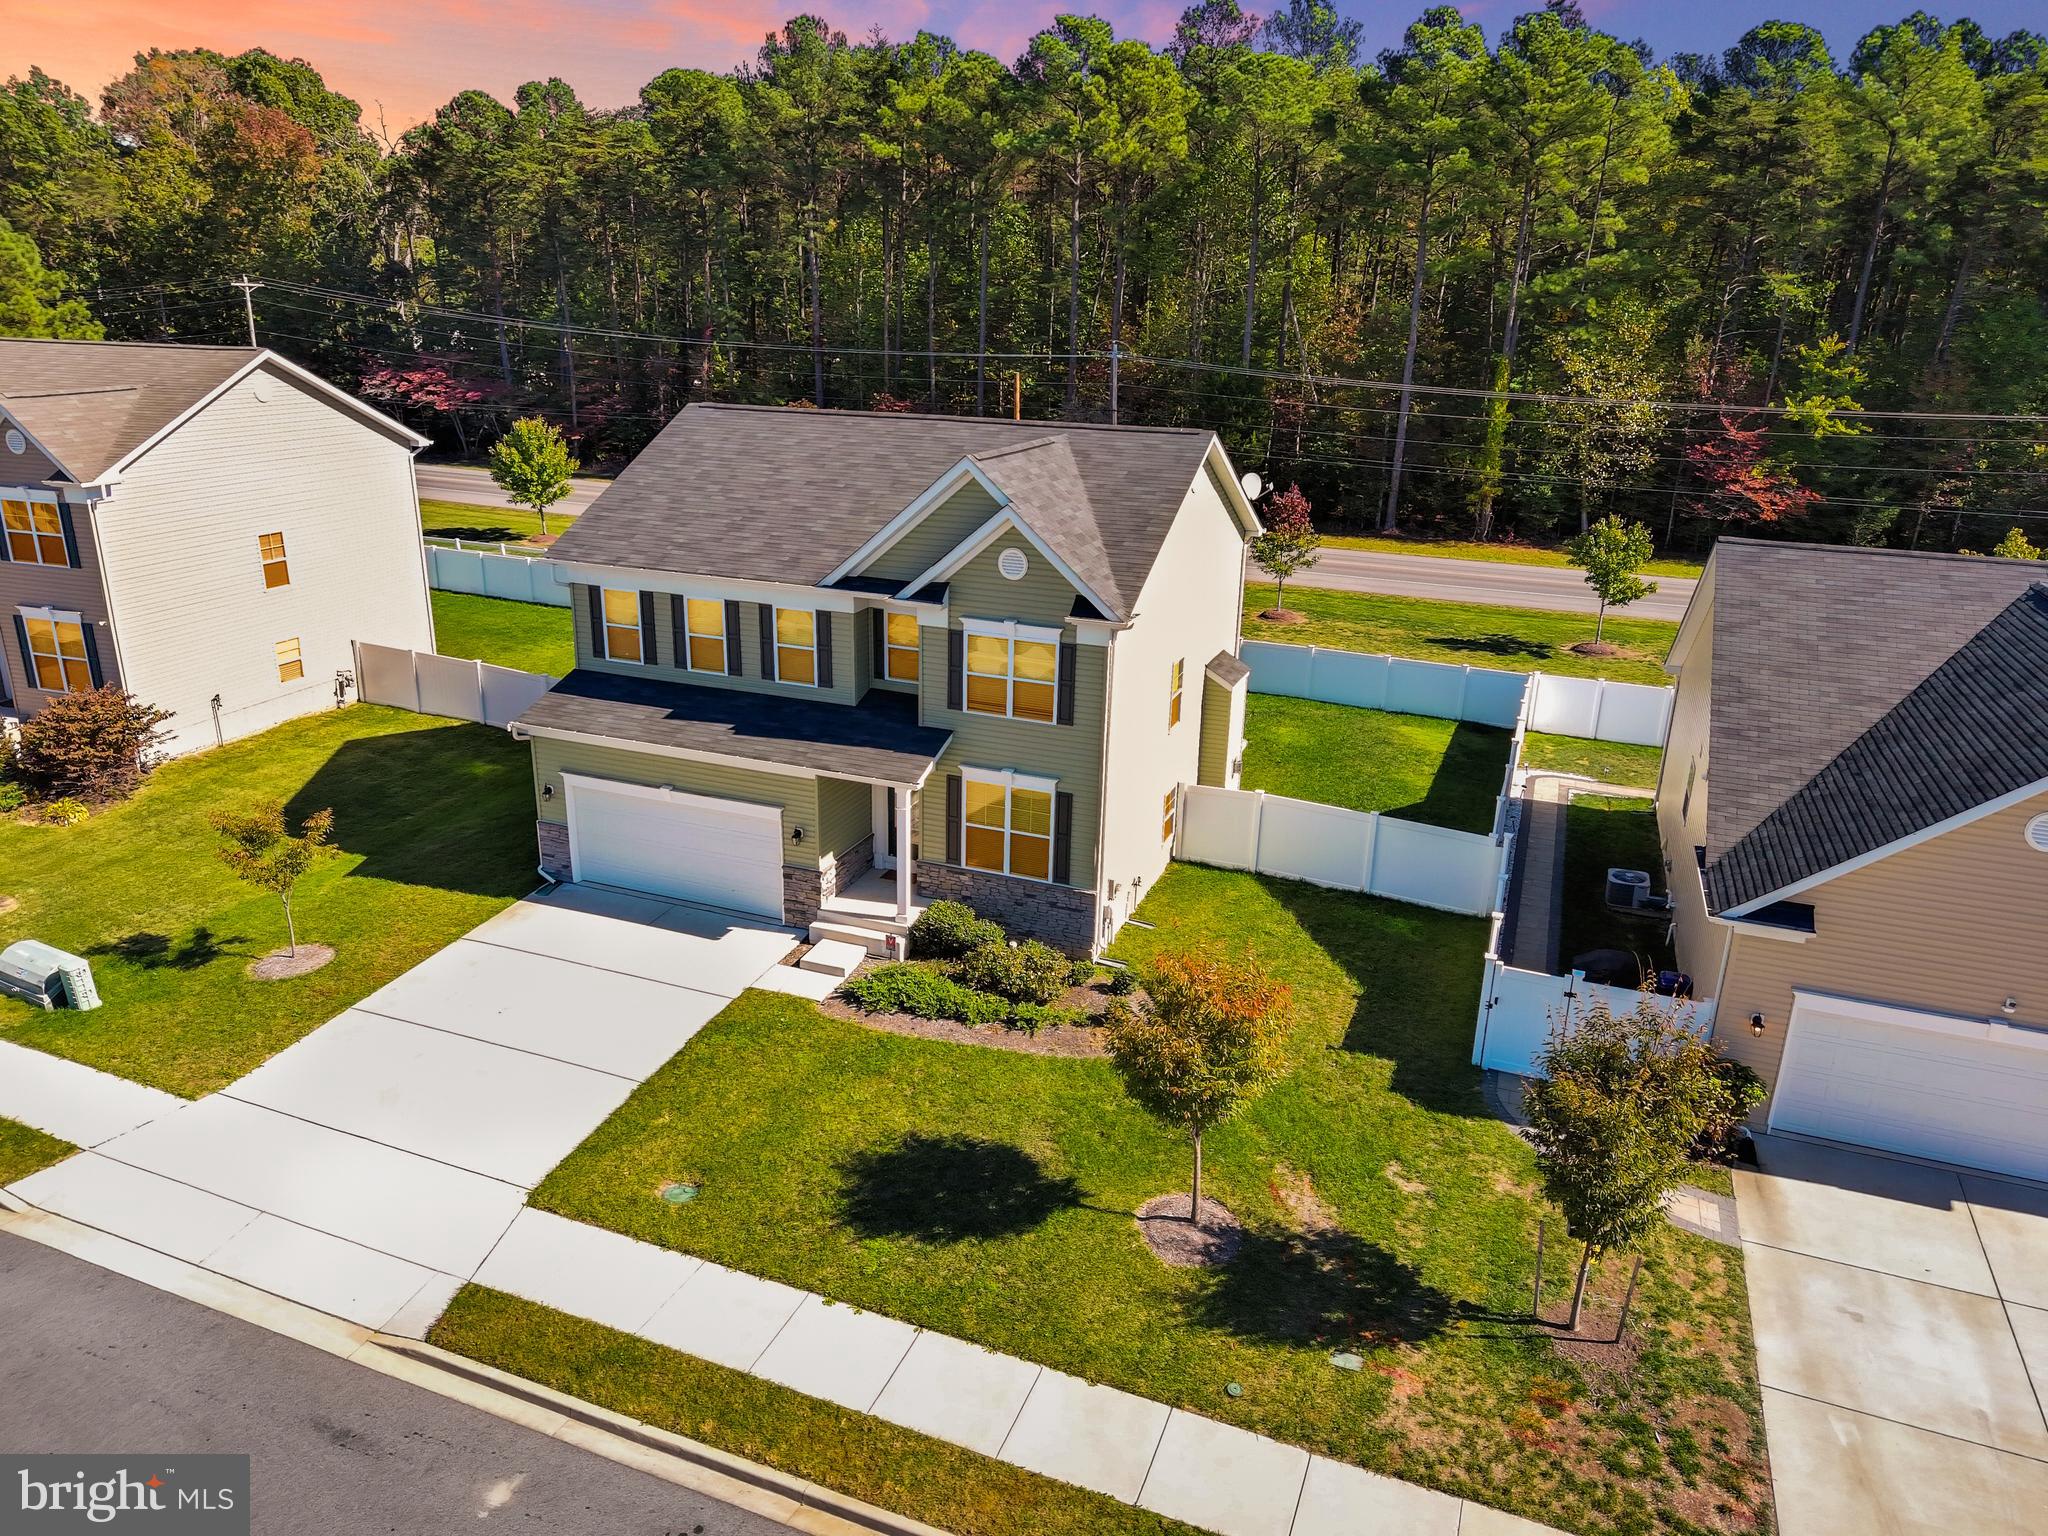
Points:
[(16, 443), (1011, 563), (2037, 833)]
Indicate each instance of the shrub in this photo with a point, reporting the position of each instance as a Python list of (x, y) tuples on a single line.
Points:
[(65, 812), (1032, 1017), (1030, 972), (949, 929), (96, 745), (1081, 973), (923, 993), (1738, 1091), (1116, 1014), (11, 796), (1122, 983)]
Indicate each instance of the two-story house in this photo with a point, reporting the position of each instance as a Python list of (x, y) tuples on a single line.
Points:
[(1854, 811), (207, 527), (837, 663)]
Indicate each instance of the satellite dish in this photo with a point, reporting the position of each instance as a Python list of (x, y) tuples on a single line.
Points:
[(1252, 485)]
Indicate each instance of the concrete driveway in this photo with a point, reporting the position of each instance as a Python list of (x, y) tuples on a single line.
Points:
[(1901, 1316), (371, 1167)]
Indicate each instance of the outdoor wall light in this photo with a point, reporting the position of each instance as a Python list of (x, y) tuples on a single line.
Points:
[(547, 792), (796, 834), (2009, 1007), (1756, 1023)]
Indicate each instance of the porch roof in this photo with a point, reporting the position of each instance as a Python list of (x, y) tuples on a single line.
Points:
[(877, 739)]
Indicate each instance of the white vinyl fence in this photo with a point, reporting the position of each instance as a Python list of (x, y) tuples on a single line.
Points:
[(1564, 706), (445, 685), (1344, 849), (521, 578), (1519, 1009)]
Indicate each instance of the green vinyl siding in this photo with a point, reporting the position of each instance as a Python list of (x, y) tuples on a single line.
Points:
[(798, 797), (979, 591), (942, 530), (1213, 764), (845, 814), (845, 687)]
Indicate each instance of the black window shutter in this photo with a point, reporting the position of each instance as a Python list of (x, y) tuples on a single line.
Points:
[(732, 638), (881, 642), (70, 535), (1063, 837), (1063, 695), (648, 628), (595, 595), (28, 662), (92, 653), (679, 622), (6, 556), (768, 641), (953, 814), (956, 669), (821, 632)]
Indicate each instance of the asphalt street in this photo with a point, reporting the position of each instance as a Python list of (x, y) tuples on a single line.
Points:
[(474, 487), (1480, 581), (95, 1362)]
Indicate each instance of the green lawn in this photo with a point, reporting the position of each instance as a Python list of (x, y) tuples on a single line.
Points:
[(1469, 634), (988, 1194), (899, 1469), (1603, 832), (488, 525), (1412, 766), (1605, 762), (434, 823), (24, 1149), (534, 637), (1496, 554)]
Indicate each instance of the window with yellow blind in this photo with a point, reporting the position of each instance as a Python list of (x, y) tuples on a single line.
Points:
[(705, 637), (1011, 670), (35, 532), (277, 572), (1173, 694), (57, 651), (622, 625), (796, 645), (1166, 818), (900, 643), (291, 665), (1007, 824)]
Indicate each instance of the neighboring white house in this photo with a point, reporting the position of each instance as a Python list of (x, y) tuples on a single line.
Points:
[(209, 527)]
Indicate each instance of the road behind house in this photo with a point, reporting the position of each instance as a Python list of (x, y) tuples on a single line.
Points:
[(475, 488), (1558, 588)]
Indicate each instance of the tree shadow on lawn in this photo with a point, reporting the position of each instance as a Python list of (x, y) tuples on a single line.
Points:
[(482, 533), (1498, 643), (1327, 1287), (449, 808), (949, 1189), (157, 951)]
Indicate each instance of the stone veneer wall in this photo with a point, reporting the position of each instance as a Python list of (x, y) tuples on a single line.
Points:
[(554, 848), (802, 895), (1059, 914)]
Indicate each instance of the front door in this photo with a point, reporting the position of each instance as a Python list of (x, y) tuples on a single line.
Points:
[(885, 826)]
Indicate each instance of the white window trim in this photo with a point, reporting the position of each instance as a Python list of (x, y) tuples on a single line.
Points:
[(782, 645), (55, 616), (1012, 630), (639, 634), (278, 660), (284, 558), (724, 640), (1176, 688), (49, 498), (916, 647), (1011, 781)]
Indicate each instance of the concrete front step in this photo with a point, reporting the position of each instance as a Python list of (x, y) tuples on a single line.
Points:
[(834, 957), (875, 940)]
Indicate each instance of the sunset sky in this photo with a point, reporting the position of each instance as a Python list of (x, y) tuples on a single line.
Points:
[(403, 58)]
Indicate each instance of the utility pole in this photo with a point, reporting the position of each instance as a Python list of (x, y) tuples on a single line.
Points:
[(1115, 356), (1016, 397), (248, 287)]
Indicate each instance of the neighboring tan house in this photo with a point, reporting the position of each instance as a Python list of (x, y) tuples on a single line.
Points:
[(208, 527), (1854, 809), (812, 644)]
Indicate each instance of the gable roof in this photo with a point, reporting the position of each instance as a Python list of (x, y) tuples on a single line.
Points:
[(93, 405), (1861, 697), (770, 493)]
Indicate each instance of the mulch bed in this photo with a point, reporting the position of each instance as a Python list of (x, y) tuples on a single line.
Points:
[(282, 964), (1163, 1223), (1283, 616), (1060, 1040)]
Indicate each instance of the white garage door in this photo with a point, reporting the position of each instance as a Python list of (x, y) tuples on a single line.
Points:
[(722, 853), (1930, 1085)]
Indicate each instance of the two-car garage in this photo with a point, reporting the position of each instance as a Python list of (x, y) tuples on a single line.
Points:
[(1957, 1090), (695, 848)]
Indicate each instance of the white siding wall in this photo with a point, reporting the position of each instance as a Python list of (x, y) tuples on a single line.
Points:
[(1189, 609), (192, 617)]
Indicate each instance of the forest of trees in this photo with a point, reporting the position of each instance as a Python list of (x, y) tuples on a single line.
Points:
[(1775, 291)]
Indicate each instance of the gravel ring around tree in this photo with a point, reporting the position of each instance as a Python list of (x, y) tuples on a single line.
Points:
[(282, 964), (1176, 1241)]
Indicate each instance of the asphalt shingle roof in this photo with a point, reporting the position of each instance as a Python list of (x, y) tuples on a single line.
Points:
[(1860, 696), (878, 738), (92, 403), (770, 493)]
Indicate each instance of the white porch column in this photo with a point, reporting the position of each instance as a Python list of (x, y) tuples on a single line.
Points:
[(904, 794)]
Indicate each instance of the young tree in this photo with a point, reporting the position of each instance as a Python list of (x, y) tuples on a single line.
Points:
[(1610, 553), (1618, 1102), (1289, 543), (532, 465), (2017, 546), (95, 744), (1209, 1044), (258, 846)]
